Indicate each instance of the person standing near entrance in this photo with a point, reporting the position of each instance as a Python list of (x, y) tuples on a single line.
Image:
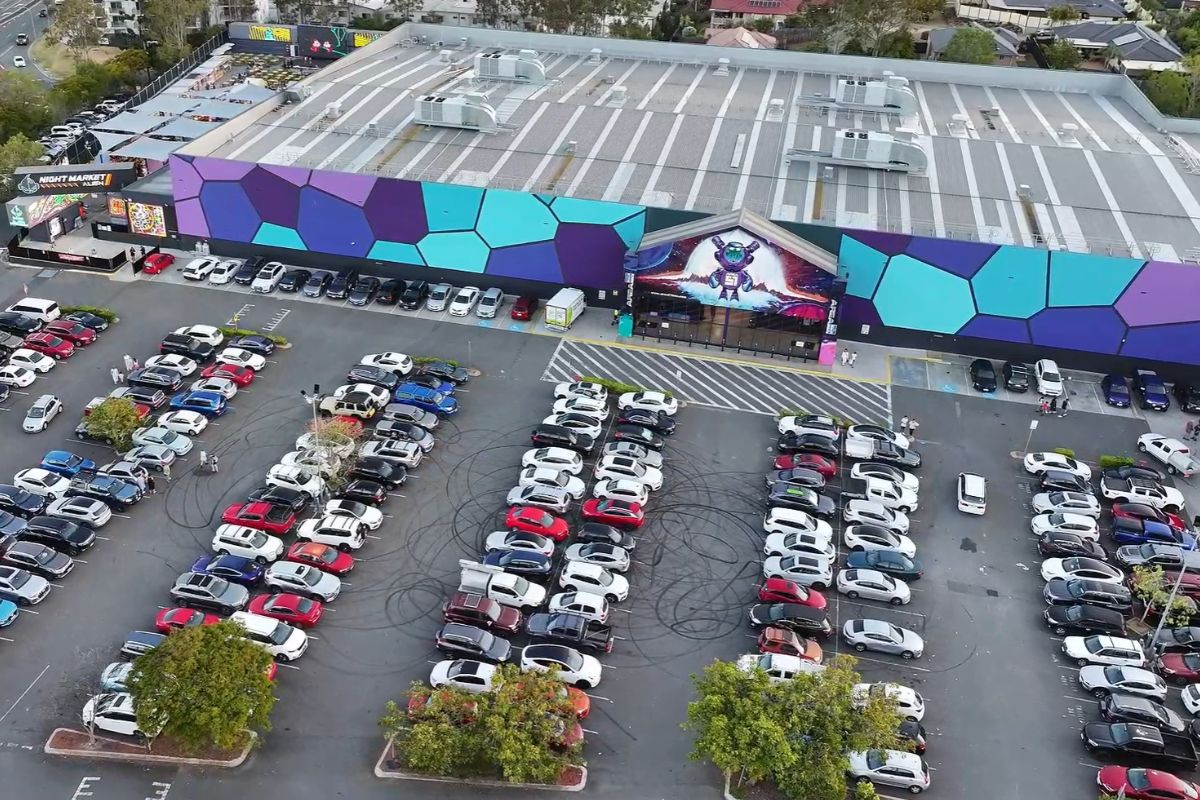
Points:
[(845, 356), (853, 358), (912, 428), (128, 363), (904, 424)]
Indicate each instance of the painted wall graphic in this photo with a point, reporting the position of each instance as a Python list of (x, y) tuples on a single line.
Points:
[(146, 219), (1075, 301), (322, 41), (738, 269), (495, 232)]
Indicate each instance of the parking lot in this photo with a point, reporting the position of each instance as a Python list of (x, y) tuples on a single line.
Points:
[(1002, 711)]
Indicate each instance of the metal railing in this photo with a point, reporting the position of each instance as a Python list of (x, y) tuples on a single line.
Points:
[(178, 69)]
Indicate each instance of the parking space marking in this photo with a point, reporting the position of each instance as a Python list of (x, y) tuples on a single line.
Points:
[(6, 639), (84, 785), (893, 664), (21, 696), (160, 791), (237, 315), (288, 666), (280, 315)]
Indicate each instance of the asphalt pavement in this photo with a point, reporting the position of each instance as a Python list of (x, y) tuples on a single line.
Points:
[(21, 16)]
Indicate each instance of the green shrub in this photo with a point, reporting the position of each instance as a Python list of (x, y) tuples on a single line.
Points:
[(433, 360), (107, 314), (1109, 462), (616, 387), (231, 332), (1065, 451)]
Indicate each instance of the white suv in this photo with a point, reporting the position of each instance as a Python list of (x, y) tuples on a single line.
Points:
[(268, 277), (238, 540), (200, 268), (282, 641), (344, 533)]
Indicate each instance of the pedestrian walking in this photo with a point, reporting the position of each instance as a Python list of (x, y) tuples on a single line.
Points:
[(853, 358), (203, 460), (1053, 405), (212, 462), (128, 362), (136, 364), (1044, 406), (616, 317), (1065, 404), (903, 424), (1189, 430), (120, 377), (845, 357), (150, 484), (912, 428), (116, 376), (167, 471)]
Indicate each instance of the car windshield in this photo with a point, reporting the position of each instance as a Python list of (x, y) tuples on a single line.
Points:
[(1050, 377), (520, 586), (37, 412), (18, 579), (1118, 388), (439, 293), (280, 634), (1074, 613)]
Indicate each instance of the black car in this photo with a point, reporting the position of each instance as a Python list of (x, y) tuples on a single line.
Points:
[(339, 287), (281, 496), (790, 443), (445, 371), (414, 295), (61, 534), (465, 641), (429, 381), (403, 431), (889, 453), (805, 620), (255, 343), (803, 499), (379, 471), (377, 376), (1132, 471), (403, 412), (1188, 395), (115, 493), (1122, 707), (912, 731), (11, 524), (18, 324), (1083, 620), (983, 375), (1063, 545), (797, 476), (1058, 480), (363, 290), (1016, 376), (638, 435), (155, 398), (156, 378), (84, 434), (5, 390), (363, 491), (558, 436), (1167, 556), (1063, 592), (1177, 640), (590, 532), (389, 292), (35, 557), (10, 342), (88, 320), (573, 630), (248, 271), (526, 564), (182, 345), (655, 421), (20, 502), (294, 280), (317, 283)]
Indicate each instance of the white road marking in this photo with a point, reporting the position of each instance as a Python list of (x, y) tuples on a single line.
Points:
[(21, 697)]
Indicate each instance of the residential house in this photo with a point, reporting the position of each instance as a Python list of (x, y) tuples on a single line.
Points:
[(740, 37), (1007, 43), (1125, 47), (744, 13)]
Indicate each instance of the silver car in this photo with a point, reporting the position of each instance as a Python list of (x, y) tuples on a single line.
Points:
[(303, 580), (152, 456), (547, 497), (489, 303), (22, 587), (87, 510), (875, 634), (439, 297)]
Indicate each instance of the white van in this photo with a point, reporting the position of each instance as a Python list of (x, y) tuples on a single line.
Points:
[(564, 308), (36, 307), (972, 493), (282, 641)]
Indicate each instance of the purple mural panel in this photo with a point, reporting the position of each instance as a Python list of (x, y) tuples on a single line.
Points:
[(277, 200), (185, 181), (395, 210), (330, 225), (1097, 329), (348, 186), (229, 212), (217, 169), (1004, 329), (535, 262), (297, 176), (1176, 343), (960, 258), (1162, 292), (890, 244), (590, 255), (858, 311), (189, 216)]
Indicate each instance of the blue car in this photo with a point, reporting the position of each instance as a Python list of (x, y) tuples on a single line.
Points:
[(889, 562), (67, 463), (522, 562), (1136, 530), (236, 569), (1151, 390), (8, 613), (425, 398), (431, 382), (1116, 390), (210, 404)]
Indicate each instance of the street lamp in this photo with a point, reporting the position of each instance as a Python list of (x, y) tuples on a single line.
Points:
[(313, 400)]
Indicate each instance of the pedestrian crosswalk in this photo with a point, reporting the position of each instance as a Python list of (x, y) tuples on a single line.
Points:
[(723, 383)]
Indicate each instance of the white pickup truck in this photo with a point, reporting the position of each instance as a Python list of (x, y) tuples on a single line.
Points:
[(496, 584), (1172, 452)]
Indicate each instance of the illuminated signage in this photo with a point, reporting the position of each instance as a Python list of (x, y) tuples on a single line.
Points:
[(270, 33)]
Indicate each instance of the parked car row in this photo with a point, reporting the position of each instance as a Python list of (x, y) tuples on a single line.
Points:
[(61, 136)]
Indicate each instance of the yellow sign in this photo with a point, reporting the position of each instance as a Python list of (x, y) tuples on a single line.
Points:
[(364, 38), (270, 33)]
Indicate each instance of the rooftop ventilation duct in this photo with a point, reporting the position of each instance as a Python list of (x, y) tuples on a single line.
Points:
[(892, 152), (887, 95), (468, 111), (722, 67), (522, 67)]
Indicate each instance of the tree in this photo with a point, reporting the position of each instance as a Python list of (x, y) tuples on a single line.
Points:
[(25, 105), (169, 21), (201, 35), (898, 44), (84, 87), (764, 25), (82, 683), (75, 27), (17, 151), (971, 46), (114, 421), (1063, 13), (1169, 92), (204, 687), (795, 733), (1061, 55), (130, 67), (1150, 585), (405, 10)]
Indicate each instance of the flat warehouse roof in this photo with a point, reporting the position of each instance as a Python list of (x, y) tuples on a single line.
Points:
[(1081, 167)]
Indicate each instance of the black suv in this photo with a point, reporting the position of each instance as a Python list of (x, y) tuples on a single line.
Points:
[(389, 292), (339, 287), (558, 436), (16, 500), (571, 629), (413, 296), (19, 324), (362, 373), (293, 280), (280, 496), (364, 290), (116, 493), (1188, 395), (983, 375), (379, 471), (1016, 376), (61, 534), (1142, 711), (248, 271), (156, 378), (458, 640), (182, 345)]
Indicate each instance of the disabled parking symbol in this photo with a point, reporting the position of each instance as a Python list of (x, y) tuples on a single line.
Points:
[(949, 387)]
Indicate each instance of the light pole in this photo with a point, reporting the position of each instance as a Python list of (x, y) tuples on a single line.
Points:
[(313, 400)]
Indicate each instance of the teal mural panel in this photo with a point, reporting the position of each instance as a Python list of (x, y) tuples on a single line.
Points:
[(913, 294), (509, 218), (278, 236), (1079, 279), (463, 251), (451, 208), (397, 252), (1012, 283), (861, 267)]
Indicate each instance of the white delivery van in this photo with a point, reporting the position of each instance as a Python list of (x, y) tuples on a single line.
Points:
[(40, 309), (564, 308)]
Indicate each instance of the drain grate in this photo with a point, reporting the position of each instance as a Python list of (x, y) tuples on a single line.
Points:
[(968, 588)]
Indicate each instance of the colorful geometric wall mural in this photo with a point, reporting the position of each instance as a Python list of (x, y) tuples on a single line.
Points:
[(496, 232), (1074, 301)]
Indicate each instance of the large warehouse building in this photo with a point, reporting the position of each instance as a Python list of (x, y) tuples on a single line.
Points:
[(764, 200)]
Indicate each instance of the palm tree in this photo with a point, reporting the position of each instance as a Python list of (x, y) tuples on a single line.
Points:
[(1112, 56)]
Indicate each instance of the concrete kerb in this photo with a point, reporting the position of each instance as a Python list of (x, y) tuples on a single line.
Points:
[(386, 774), (143, 758)]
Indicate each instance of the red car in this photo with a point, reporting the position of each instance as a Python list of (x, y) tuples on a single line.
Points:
[(1178, 668), (524, 308), (816, 463), (157, 262), (322, 556), (618, 513), (170, 620), (536, 520), (242, 376), (262, 516), (1143, 511), (49, 344), (73, 332), (300, 612), (1144, 784), (781, 590)]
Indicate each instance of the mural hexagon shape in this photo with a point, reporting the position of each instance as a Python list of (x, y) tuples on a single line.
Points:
[(229, 213), (595, 212), (509, 218), (395, 211), (912, 294), (1012, 283), (277, 200), (1095, 329), (463, 251), (331, 225)]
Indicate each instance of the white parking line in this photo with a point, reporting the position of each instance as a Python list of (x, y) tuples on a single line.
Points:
[(80, 561), (6, 639), (287, 666), (901, 663), (29, 611), (369, 536), (103, 538)]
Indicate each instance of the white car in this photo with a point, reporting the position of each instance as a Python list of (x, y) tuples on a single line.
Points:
[(576, 422), (629, 469), (177, 442), (582, 405), (881, 636), (1085, 650), (649, 401), (188, 423), (238, 540), (282, 641), (873, 585), (344, 533), (875, 469), (506, 541), (799, 544), (222, 386), (817, 424), (573, 667), (809, 571), (268, 277), (224, 271), (587, 388), (16, 376), (793, 520), (205, 333), (630, 491), (406, 454), (31, 359), (474, 677), (339, 445), (877, 433), (399, 363), (241, 358), (303, 580), (377, 395), (1078, 524), (580, 576), (199, 269), (1190, 695), (890, 768), (112, 712), (19, 61), (1048, 379), (181, 364), (871, 513), (464, 301), (908, 701), (875, 537), (602, 554), (779, 668), (1067, 503), (544, 476), (556, 458), (370, 516), (592, 607), (547, 497), (1037, 463), (1100, 680), (323, 463), (42, 482), (41, 413), (651, 458), (1082, 567), (295, 478), (87, 510)]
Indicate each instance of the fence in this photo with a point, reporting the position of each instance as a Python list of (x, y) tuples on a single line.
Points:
[(178, 69)]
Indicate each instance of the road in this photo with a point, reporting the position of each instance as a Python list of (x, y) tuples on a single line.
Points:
[(20, 16)]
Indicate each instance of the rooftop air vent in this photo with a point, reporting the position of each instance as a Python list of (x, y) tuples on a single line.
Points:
[(523, 67)]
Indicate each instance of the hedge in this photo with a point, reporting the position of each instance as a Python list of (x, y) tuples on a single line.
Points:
[(231, 332), (1110, 462), (1065, 451), (432, 360), (107, 314)]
